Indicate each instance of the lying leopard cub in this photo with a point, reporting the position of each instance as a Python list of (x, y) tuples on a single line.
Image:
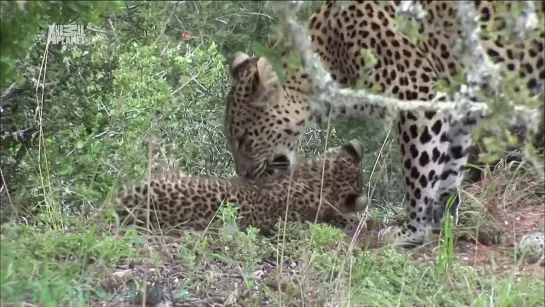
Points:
[(191, 202)]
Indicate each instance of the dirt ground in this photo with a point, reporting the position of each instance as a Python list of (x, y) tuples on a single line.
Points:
[(516, 223), (511, 223)]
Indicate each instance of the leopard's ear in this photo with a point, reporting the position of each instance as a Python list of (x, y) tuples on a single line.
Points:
[(260, 83), (355, 149), (240, 57), (267, 92), (267, 76)]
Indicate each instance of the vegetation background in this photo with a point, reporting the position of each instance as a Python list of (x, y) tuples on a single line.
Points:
[(148, 91)]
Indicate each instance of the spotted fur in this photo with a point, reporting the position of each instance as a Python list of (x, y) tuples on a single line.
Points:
[(191, 202), (264, 118)]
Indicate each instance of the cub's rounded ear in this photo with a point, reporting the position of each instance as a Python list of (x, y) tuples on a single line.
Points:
[(354, 149), (240, 57)]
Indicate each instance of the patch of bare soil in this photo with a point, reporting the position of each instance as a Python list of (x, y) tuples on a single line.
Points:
[(508, 215), (516, 207), (501, 257)]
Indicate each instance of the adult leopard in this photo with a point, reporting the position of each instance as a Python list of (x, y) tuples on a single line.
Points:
[(191, 202), (264, 118)]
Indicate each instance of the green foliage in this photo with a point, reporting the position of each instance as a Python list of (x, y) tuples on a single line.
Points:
[(447, 248), (228, 213), (22, 20), (497, 134), (139, 97), (51, 267), (324, 235), (109, 121), (409, 27), (234, 26)]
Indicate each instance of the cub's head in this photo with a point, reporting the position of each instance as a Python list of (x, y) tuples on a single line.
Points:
[(258, 125), (339, 169)]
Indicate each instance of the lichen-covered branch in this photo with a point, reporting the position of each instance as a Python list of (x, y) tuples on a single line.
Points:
[(481, 70), (326, 89), (412, 9), (529, 21)]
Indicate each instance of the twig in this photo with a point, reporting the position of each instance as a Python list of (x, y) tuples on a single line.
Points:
[(19, 135), (8, 92), (96, 30)]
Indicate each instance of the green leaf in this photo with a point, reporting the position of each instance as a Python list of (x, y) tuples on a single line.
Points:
[(294, 61), (368, 58), (79, 144), (409, 27), (375, 89), (67, 169), (359, 84), (20, 80)]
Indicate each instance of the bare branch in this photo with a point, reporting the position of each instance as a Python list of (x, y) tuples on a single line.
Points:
[(18, 136)]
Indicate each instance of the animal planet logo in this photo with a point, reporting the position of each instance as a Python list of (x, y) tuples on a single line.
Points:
[(67, 34)]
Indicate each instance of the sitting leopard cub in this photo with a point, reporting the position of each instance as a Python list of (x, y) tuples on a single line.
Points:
[(191, 202)]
